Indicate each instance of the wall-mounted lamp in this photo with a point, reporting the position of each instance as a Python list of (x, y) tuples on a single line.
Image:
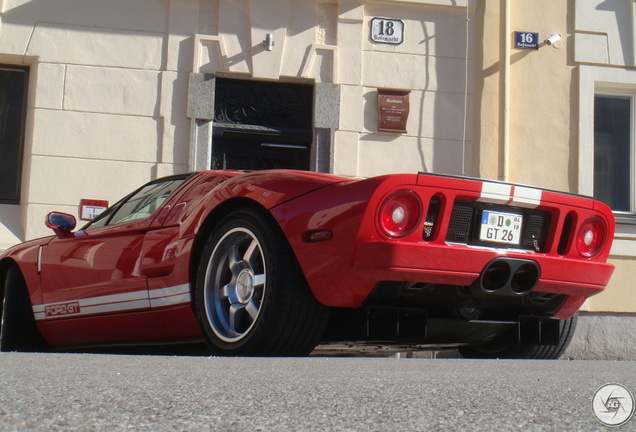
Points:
[(268, 43), (553, 39)]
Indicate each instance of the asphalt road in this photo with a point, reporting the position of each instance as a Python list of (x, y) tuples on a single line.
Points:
[(105, 392)]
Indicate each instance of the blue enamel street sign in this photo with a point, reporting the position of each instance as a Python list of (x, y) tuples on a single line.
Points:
[(526, 40)]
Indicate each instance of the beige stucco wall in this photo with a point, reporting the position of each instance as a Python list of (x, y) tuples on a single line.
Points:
[(329, 42), (432, 64), (109, 86), (542, 103), (526, 96), (606, 61), (619, 295), (100, 115)]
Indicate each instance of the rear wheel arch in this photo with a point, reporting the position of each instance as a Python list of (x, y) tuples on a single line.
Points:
[(212, 220), (250, 295)]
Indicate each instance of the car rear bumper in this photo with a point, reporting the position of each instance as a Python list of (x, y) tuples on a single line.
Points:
[(456, 264)]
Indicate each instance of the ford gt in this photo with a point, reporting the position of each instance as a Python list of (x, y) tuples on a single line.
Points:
[(273, 263)]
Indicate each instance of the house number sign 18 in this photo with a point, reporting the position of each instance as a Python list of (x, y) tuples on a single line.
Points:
[(389, 31)]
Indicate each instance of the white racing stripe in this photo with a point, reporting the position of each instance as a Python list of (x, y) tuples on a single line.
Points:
[(526, 197), (136, 300), (519, 196), (495, 193), (170, 296)]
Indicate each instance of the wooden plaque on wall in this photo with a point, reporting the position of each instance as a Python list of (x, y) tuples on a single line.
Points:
[(393, 110)]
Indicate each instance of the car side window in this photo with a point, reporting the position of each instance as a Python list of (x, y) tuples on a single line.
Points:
[(138, 205), (145, 202)]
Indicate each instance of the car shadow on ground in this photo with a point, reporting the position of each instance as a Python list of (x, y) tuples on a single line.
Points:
[(323, 350)]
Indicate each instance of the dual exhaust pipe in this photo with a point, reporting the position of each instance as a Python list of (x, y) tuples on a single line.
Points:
[(507, 276)]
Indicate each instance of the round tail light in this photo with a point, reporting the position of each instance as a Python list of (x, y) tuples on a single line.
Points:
[(591, 237), (400, 213)]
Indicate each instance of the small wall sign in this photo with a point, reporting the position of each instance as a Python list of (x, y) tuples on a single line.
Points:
[(526, 40), (91, 208), (393, 109), (389, 31)]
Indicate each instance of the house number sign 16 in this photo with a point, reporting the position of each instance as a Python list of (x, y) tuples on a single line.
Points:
[(389, 31), (527, 40)]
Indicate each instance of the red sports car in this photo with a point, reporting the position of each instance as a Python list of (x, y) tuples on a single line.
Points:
[(272, 263)]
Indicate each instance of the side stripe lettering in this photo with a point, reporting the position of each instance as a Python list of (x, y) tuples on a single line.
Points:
[(161, 297)]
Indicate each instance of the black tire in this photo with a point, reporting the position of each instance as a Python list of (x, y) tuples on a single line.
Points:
[(18, 331), (251, 296), (543, 352)]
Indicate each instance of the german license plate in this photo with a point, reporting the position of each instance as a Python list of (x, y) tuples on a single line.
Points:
[(500, 227)]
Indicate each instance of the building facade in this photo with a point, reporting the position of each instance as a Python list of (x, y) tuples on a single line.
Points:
[(562, 117), (97, 98), (117, 94)]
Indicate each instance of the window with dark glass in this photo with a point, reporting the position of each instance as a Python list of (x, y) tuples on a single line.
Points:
[(145, 202), (613, 152), (13, 85), (141, 204)]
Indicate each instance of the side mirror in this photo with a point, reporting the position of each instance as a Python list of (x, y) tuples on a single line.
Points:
[(61, 223)]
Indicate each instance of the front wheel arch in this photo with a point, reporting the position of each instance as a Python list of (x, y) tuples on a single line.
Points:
[(18, 330)]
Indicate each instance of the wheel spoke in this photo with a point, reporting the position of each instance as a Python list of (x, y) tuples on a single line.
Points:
[(229, 292), (235, 312), (259, 280), (249, 253), (252, 309), (234, 257)]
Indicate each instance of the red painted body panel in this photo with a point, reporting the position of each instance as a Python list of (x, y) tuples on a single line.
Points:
[(118, 275), (102, 262), (167, 325), (25, 256), (343, 271), (461, 265), (267, 188), (133, 282)]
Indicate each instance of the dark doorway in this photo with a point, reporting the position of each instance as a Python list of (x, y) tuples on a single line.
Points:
[(262, 125)]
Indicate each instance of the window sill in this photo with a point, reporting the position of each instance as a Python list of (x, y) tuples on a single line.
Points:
[(625, 236), (625, 218)]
